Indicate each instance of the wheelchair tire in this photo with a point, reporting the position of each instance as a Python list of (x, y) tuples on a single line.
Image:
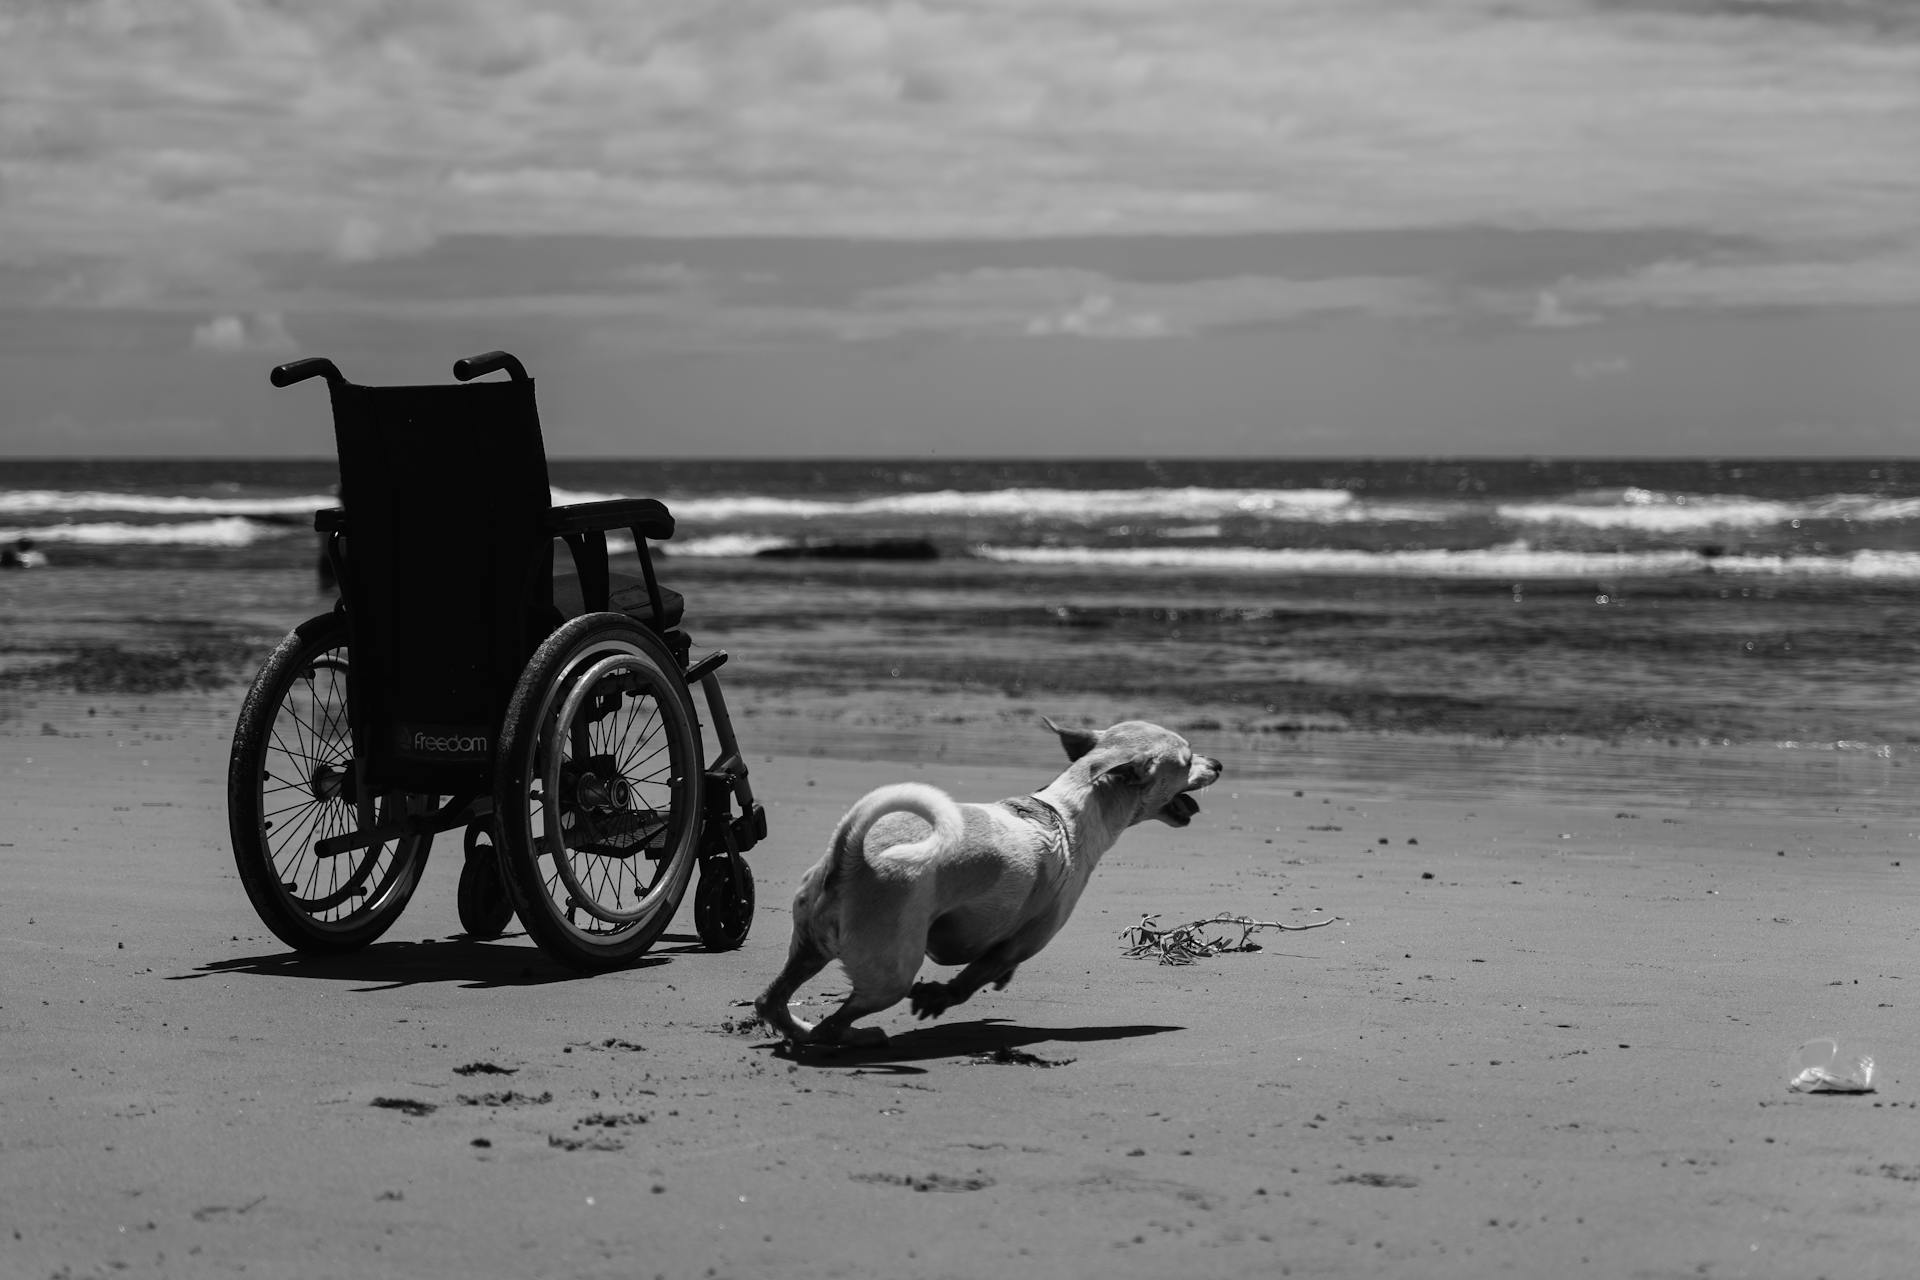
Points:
[(597, 789), (722, 911), (289, 783), (485, 909)]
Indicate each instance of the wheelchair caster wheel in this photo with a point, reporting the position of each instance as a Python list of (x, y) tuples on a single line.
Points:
[(485, 909), (722, 909)]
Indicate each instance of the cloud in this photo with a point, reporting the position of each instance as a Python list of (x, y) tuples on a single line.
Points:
[(364, 131), (189, 279), (1592, 367), (1050, 303), (365, 237), (176, 174), (1040, 302), (1550, 313), (1885, 275), (670, 303), (262, 332), (1097, 316), (1056, 115), (1869, 16)]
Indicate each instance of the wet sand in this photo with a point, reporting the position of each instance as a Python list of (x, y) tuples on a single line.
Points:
[(1547, 1035)]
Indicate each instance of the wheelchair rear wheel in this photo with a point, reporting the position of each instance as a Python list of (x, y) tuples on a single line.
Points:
[(597, 792), (290, 782)]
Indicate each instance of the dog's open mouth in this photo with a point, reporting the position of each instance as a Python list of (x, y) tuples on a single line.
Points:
[(1180, 810)]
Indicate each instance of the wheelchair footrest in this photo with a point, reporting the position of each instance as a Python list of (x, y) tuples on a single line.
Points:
[(457, 812)]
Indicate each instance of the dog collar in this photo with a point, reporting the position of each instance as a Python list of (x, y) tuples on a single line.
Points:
[(1041, 814)]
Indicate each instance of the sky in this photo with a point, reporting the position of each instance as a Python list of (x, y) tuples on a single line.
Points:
[(965, 228)]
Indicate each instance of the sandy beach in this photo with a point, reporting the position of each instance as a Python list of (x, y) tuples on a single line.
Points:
[(1547, 1034)]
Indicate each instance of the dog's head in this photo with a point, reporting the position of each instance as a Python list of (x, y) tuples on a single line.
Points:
[(1155, 766)]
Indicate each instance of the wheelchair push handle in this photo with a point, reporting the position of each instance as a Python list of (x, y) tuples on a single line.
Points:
[(488, 362), (293, 371)]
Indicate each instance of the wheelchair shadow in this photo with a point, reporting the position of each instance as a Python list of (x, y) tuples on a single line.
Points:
[(390, 966), (985, 1041)]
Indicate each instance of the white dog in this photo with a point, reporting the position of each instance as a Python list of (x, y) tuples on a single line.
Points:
[(911, 872)]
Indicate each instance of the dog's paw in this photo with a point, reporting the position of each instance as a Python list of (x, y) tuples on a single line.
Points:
[(832, 1041), (930, 999)]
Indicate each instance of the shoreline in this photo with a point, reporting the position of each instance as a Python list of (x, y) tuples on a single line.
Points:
[(914, 726), (917, 731), (1267, 660)]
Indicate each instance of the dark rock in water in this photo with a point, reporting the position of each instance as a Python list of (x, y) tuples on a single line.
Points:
[(1712, 551), (862, 549), (21, 555)]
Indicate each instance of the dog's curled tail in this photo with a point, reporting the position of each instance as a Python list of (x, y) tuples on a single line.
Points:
[(930, 804)]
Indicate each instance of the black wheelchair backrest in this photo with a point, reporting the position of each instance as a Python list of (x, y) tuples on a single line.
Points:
[(446, 569)]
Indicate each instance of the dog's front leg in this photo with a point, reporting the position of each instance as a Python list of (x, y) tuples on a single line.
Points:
[(805, 958), (837, 1027), (995, 965)]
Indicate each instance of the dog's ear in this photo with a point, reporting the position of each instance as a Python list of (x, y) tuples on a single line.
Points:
[(1125, 770), (1077, 741)]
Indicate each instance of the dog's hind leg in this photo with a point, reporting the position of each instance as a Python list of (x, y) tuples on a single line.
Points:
[(804, 960)]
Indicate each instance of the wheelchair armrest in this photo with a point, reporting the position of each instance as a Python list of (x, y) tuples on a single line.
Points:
[(645, 516), (330, 520)]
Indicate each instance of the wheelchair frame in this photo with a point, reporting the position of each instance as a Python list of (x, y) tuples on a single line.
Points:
[(584, 792)]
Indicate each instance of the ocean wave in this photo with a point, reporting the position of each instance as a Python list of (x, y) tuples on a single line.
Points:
[(741, 545), (724, 546), (1648, 509), (1884, 750), (1865, 506), (1515, 562), (1070, 506), (1654, 511), (228, 531), (38, 502)]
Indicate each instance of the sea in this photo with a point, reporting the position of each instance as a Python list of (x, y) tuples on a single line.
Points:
[(1755, 605)]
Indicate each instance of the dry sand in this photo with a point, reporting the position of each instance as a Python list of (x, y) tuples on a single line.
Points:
[(1547, 1037)]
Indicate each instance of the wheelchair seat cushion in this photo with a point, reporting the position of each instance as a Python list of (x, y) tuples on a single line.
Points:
[(629, 596)]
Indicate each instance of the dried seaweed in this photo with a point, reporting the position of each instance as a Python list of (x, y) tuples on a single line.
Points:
[(1184, 944)]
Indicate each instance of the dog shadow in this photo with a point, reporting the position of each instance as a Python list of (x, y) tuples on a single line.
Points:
[(984, 1041), (390, 966)]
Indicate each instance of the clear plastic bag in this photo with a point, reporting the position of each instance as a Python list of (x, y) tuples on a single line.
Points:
[(1823, 1066)]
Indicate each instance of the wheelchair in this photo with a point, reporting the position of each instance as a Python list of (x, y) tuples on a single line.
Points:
[(460, 683)]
